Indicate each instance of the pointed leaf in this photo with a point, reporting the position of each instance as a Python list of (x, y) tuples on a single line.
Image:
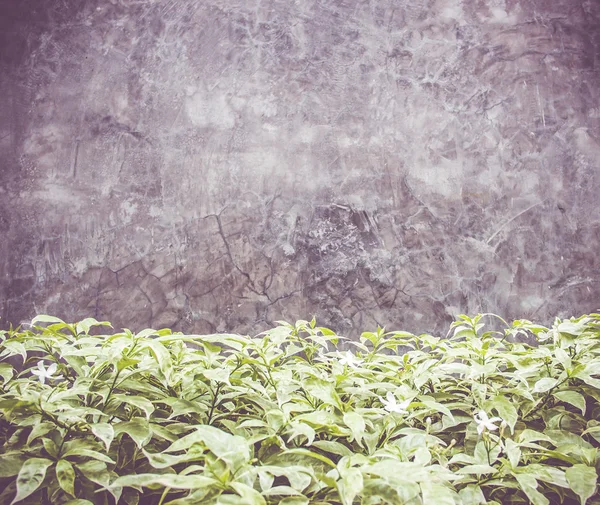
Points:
[(163, 480), (232, 449), (437, 494), (30, 477), (356, 423), (529, 484), (66, 476), (136, 401), (138, 429), (105, 432), (582, 480), (572, 398)]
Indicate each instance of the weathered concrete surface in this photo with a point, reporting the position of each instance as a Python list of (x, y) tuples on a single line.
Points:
[(222, 164)]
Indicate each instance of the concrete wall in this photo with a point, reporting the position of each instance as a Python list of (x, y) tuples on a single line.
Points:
[(217, 165)]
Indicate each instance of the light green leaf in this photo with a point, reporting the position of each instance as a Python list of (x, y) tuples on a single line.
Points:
[(136, 401), (294, 500), (10, 464), (138, 429), (572, 398), (298, 476), (549, 474), (42, 318), (66, 476), (250, 495), (350, 485), (160, 460), (513, 452), (39, 430), (529, 484), (299, 428), (217, 375), (78, 501), (506, 410), (105, 432), (83, 327), (232, 449), (356, 423), (311, 454), (582, 480), (437, 494), (471, 495), (563, 358), (322, 390), (544, 385), (481, 469), (173, 481), (95, 471), (88, 453), (30, 477), (333, 447), (6, 371), (162, 356)]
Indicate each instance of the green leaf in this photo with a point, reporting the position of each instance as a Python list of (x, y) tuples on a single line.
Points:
[(471, 495), (582, 480), (30, 477), (572, 398), (298, 476), (513, 452), (217, 375), (78, 501), (437, 494), (232, 449), (80, 448), (250, 496), (322, 390), (10, 464), (528, 484), (162, 356), (66, 476), (39, 430), (105, 432), (139, 402), (544, 385), (356, 423), (95, 471), (350, 485), (42, 318), (294, 500), (156, 481), (6, 371), (160, 460), (138, 429), (506, 410), (83, 327)]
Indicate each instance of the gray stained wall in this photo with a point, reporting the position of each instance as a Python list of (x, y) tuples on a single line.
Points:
[(217, 165)]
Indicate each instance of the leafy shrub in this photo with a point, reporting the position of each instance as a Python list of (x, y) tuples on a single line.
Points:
[(284, 417)]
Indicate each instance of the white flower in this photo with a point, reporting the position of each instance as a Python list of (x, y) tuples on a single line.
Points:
[(349, 359), (390, 404), (485, 423), (46, 373)]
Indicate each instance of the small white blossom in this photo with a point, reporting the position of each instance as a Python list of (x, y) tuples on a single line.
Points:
[(349, 359), (46, 373), (485, 423), (391, 405)]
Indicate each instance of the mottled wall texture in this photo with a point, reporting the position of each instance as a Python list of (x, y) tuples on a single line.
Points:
[(217, 165)]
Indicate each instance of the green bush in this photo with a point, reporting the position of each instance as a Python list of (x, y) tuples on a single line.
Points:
[(285, 417)]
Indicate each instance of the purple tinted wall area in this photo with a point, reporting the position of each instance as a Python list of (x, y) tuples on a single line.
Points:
[(218, 165)]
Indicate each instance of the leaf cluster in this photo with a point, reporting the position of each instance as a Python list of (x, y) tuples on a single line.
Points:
[(161, 418)]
